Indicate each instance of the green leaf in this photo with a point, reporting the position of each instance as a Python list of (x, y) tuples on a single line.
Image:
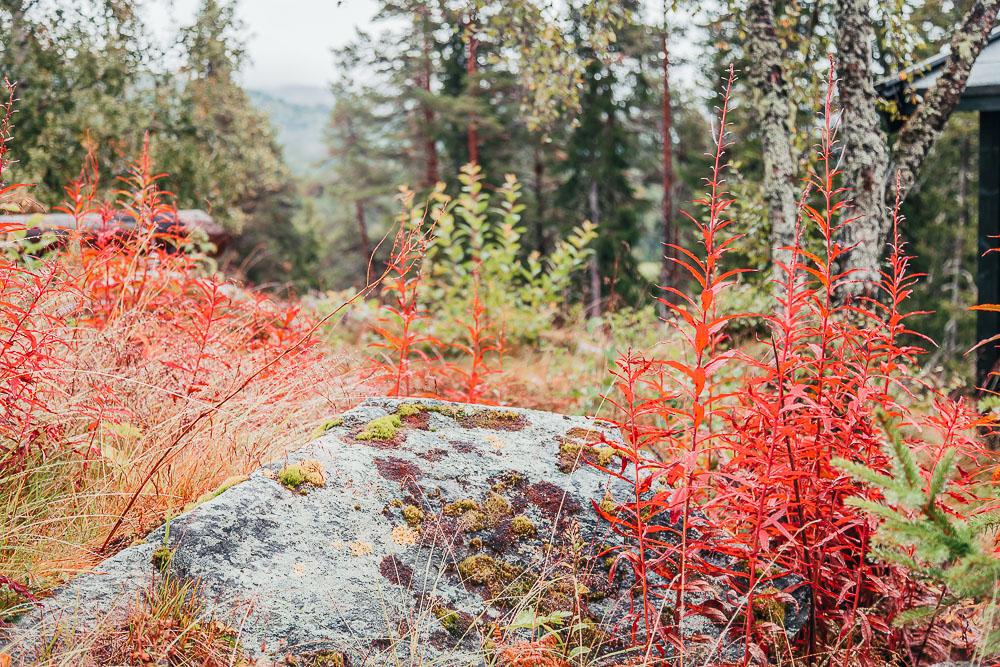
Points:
[(941, 474)]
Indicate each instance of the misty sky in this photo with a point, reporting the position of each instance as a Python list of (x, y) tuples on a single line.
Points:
[(289, 41)]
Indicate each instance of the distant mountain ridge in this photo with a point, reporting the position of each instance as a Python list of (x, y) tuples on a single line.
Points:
[(300, 115)]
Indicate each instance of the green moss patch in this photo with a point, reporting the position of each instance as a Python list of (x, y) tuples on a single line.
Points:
[(504, 582), (161, 558), (295, 475), (460, 507), (473, 516), (573, 453), (317, 659), (410, 409), (381, 429), (522, 527), (767, 607), (332, 422), (494, 420), (227, 484), (413, 515)]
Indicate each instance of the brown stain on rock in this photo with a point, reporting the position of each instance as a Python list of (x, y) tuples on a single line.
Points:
[(551, 499), (396, 572), (420, 420), (398, 470)]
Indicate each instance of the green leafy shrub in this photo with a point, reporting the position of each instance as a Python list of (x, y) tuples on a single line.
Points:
[(478, 237)]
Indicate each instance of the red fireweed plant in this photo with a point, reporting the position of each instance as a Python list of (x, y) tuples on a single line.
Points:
[(412, 360), (401, 343), (133, 377), (31, 337), (685, 399), (481, 351), (737, 467)]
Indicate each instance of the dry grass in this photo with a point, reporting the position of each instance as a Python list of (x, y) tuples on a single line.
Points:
[(56, 511)]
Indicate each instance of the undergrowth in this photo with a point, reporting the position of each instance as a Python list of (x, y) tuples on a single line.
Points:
[(133, 378), (731, 451)]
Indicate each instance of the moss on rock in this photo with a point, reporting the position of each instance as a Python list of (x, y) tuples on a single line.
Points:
[(410, 409), (295, 475), (480, 569), (460, 507), (767, 606), (381, 429), (227, 484), (332, 422), (413, 515), (573, 453), (161, 558), (495, 507), (317, 659), (521, 526)]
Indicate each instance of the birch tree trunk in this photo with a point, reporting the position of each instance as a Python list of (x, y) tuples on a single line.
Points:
[(774, 111)]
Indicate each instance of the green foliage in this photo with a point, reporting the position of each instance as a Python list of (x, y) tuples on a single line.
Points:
[(920, 533), (601, 153), (90, 77), (77, 66), (221, 153), (477, 237)]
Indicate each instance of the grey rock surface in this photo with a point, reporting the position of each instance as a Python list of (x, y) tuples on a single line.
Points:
[(418, 546)]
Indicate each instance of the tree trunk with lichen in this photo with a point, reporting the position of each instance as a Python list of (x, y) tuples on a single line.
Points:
[(774, 111), (865, 158), (869, 169)]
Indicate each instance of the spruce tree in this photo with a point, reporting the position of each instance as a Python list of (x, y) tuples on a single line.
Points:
[(597, 185), (918, 531), (221, 153)]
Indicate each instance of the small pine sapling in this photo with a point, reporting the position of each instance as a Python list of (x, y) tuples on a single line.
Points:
[(953, 548)]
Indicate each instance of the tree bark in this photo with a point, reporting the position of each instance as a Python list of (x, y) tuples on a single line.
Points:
[(922, 129), (359, 216), (775, 113), (431, 176), (471, 70), (868, 168), (954, 270), (594, 303), (865, 159), (541, 243), (668, 271)]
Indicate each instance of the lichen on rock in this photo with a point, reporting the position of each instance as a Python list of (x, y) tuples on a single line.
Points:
[(463, 540), (382, 428)]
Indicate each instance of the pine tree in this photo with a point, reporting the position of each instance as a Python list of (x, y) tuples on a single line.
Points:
[(364, 169), (921, 534), (84, 79), (597, 185), (221, 152)]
